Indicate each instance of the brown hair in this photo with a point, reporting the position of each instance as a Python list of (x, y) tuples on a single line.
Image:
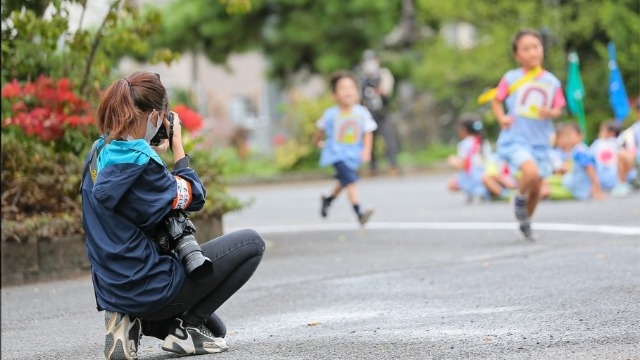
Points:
[(612, 126), (125, 102), (521, 33), (567, 126), (338, 75)]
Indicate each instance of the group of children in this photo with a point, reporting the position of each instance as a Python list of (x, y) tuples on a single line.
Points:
[(610, 165), (526, 103), (525, 167)]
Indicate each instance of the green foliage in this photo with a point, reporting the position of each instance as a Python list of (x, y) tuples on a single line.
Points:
[(255, 166), (319, 35), (458, 76), (430, 155), (33, 45), (298, 152), (30, 42), (36, 179)]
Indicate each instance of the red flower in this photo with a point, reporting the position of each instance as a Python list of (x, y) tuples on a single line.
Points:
[(64, 84), (45, 108), (11, 90), (191, 120)]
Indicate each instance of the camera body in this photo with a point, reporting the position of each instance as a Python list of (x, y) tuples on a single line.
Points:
[(372, 81), (162, 132), (177, 233)]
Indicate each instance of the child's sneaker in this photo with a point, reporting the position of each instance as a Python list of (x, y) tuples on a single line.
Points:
[(364, 217), (520, 208), (621, 190), (325, 206), (188, 340), (525, 229), (123, 336)]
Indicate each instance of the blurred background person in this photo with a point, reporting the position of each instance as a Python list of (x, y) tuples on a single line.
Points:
[(607, 152), (580, 178), (468, 160), (376, 85)]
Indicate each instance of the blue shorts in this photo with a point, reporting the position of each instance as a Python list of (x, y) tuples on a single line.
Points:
[(345, 174), (515, 154)]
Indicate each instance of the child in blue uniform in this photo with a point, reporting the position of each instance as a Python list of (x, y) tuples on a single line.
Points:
[(469, 162), (580, 178), (606, 150), (533, 98), (345, 134), (127, 192)]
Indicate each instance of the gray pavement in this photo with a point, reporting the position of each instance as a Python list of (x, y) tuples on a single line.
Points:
[(431, 277)]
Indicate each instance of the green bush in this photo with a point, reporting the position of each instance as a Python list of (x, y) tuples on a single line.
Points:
[(298, 153), (39, 189)]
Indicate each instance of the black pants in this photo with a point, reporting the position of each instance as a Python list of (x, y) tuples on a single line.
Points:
[(235, 257), (386, 130)]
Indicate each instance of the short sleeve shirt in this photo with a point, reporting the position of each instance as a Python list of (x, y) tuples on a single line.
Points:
[(523, 104), (344, 134)]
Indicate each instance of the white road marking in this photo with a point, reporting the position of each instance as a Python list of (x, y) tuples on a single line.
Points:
[(600, 229)]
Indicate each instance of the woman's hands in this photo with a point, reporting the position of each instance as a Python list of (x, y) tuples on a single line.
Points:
[(175, 135), (162, 147)]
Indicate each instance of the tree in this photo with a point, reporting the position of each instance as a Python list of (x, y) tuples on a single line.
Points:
[(320, 36), (459, 74), (33, 44)]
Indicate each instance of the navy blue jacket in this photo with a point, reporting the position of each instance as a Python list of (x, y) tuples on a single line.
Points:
[(132, 193)]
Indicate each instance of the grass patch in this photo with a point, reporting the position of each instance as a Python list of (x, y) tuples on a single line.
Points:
[(432, 154)]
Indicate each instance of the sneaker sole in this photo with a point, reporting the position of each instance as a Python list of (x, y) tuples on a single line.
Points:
[(186, 347), (527, 235), (117, 326)]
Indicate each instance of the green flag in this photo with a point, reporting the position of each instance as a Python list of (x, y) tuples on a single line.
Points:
[(574, 92)]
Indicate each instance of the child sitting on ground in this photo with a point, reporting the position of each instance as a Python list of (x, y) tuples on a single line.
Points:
[(605, 150), (580, 179), (612, 163), (629, 168), (468, 160)]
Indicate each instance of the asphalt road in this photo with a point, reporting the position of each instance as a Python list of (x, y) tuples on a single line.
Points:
[(431, 277)]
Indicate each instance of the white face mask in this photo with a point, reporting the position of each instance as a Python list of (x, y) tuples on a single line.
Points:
[(152, 129)]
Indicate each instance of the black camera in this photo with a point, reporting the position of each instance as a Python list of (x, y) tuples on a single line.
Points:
[(177, 233), (162, 132), (372, 81)]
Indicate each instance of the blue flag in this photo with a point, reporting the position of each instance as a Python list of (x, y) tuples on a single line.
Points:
[(617, 93)]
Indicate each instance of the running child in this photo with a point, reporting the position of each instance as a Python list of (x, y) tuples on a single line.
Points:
[(533, 99), (345, 135)]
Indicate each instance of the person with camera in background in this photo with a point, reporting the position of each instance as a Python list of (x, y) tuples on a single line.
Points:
[(149, 274), (376, 84)]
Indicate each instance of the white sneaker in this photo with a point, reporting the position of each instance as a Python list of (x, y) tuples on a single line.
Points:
[(123, 336), (621, 190), (187, 340)]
